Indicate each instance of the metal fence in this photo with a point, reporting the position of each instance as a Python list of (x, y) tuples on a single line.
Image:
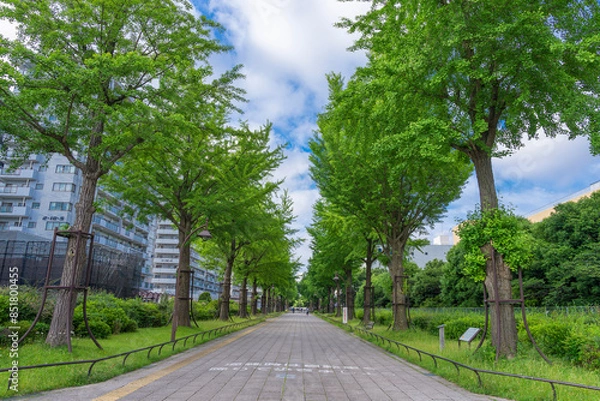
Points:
[(114, 271)]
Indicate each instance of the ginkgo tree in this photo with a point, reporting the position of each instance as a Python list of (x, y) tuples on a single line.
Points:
[(268, 258), (84, 79), (192, 176), (375, 159), (494, 72)]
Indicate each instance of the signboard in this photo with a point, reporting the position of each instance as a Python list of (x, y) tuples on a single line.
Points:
[(470, 334), (345, 315)]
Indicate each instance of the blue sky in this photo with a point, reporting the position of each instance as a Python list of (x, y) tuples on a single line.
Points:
[(287, 47)]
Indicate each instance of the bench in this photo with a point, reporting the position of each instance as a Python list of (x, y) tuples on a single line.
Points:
[(369, 326)]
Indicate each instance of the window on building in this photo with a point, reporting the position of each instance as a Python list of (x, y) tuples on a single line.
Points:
[(43, 168), (6, 207), (31, 224), (39, 186), (65, 206), (65, 169), (35, 205), (51, 225), (63, 187)]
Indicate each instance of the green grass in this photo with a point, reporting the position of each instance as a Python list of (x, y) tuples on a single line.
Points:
[(43, 379), (527, 363)]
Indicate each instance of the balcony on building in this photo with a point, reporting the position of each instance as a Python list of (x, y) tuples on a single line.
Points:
[(14, 211), (13, 191), (19, 174)]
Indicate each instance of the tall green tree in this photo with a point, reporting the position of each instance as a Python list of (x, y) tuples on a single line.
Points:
[(242, 216), (458, 289), (566, 267), (426, 288), (334, 243), (375, 159), (495, 71), (83, 79), (268, 258), (187, 177)]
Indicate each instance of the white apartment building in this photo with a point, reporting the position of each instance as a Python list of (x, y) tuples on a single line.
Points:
[(41, 194), (166, 259)]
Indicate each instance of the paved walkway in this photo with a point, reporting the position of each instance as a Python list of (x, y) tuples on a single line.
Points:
[(294, 358)]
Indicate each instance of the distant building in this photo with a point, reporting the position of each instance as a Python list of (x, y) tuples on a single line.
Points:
[(428, 253), (540, 214), (166, 259), (40, 195)]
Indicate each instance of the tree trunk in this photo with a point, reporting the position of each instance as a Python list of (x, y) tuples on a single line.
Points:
[(349, 294), (226, 292), (482, 161), (254, 299), (399, 304), (181, 305), (338, 299), (498, 275), (75, 262), (263, 302), (244, 298)]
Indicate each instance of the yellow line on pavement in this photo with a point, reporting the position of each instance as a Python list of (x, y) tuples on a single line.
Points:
[(144, 381)]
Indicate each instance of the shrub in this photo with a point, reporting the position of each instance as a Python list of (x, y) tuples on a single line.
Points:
[(384, 317), (234, 308), (145, 314), (205, 310), (38, 334), (113, 315), (98, 328), (429, 322), (205, 296), (551, 336), (29, 301), (456, 327)]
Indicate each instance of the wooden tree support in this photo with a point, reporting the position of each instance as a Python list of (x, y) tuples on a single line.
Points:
[(497, 303), (74, 287)]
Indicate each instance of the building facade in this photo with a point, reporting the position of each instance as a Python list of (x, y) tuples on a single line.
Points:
[(40, 195), (166, 259)]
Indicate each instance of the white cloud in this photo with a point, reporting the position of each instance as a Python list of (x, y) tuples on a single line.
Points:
[(541, 173), (287, 47), (558, 163)]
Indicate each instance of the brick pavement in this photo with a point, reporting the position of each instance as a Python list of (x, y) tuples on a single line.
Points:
[(294, 358)]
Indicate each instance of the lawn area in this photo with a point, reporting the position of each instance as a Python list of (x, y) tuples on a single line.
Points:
[(38, 353), (527, 363)]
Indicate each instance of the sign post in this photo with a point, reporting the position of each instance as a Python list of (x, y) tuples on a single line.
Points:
[(469, 335), (442, 337)]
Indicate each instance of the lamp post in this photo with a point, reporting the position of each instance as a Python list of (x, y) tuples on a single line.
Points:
[(338, 309)]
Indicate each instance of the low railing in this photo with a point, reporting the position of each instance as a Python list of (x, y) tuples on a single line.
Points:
[(125, 355), (477, 371)]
